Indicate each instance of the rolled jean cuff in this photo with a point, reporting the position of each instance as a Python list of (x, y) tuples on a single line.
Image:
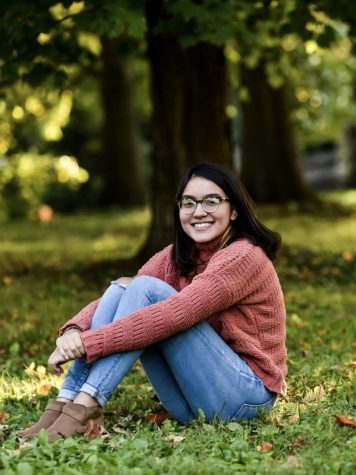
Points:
[(67, 394), (94, 393), (123, 286)]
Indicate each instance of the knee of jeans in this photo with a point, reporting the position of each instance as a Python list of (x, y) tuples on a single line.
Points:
[(144, 283), (114, 289)]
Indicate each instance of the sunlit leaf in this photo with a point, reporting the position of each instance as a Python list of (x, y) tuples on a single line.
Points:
[(174, 438), (345, 421)]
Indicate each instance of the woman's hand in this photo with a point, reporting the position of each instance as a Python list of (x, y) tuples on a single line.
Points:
[(70, 345), (54, 362)]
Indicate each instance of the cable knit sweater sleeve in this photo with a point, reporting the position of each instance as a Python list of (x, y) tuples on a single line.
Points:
[(230, 276)]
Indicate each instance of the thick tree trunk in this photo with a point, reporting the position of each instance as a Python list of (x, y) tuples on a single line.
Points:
[(120, 170), (188, 90), (270, 167)]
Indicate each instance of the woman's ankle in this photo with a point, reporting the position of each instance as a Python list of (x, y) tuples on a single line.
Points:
[(85, 400), (63, 399)]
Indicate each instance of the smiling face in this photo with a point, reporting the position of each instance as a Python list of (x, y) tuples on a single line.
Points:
[(201, 225)]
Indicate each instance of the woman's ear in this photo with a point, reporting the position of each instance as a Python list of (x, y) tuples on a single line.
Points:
[(233, 215)]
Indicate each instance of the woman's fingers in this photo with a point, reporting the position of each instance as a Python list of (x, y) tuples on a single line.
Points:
[(70, 346), (54, 362), (77, 340)]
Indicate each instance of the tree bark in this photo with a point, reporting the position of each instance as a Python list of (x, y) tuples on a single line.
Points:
[(270, 167), (188, 91), (120, 170)]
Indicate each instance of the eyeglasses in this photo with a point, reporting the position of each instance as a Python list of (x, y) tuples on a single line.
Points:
[(209, 204)]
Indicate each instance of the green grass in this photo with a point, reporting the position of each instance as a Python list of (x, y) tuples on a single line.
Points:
[(44, 280)]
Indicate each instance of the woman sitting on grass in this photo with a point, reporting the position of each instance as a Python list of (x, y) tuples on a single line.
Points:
[(205, 316)]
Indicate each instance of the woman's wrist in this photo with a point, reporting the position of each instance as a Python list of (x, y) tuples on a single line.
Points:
[(71, 329)]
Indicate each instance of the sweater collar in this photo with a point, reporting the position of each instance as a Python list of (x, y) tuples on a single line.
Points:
[(207, 249)]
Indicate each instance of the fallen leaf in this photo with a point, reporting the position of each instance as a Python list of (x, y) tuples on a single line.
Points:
[(293, 419), (352, 364), (298, 442), (317, 393), (92, 430), (3, 415), (44, 389), (265, 447), (119, 430), (104, 434), (175, 438), (345, 421), (158, 417)]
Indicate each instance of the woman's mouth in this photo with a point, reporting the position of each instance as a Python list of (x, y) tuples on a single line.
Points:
[(202, 225)]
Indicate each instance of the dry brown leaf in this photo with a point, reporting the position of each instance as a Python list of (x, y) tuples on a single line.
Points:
[(3, 415), (265, 447), (158, 417), (104, 434), (92, 430), (345, 421), (298, 442), (175, 438), (352, 364)]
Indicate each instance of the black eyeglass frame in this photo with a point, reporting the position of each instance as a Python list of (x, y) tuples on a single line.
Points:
[(190, 211)]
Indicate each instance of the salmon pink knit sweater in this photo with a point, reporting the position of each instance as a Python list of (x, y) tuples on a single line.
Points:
[(236, 290)]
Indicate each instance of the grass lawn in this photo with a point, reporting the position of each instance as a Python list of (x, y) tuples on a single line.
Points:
[(48, 271)]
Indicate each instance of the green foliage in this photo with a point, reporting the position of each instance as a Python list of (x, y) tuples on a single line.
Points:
[(113, 18), (317, 272), (211, 21), (26, 180)]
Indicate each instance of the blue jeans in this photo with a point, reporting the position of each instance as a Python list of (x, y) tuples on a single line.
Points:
[(191, 370)]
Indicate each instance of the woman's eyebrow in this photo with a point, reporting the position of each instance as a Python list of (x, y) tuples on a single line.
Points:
[(205, 196)]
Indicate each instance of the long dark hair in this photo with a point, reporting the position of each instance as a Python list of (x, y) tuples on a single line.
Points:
[(246, 225)]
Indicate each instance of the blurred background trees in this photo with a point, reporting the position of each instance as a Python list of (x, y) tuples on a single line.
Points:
[(107, 103)]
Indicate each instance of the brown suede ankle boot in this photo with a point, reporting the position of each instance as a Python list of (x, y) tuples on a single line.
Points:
[(73, 420), (52, 411)]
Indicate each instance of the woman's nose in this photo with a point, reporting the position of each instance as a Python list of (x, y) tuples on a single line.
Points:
[(199, 210)]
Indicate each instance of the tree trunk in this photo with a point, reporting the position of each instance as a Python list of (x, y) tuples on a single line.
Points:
[(120, 170), (188, 90), (270, 167)]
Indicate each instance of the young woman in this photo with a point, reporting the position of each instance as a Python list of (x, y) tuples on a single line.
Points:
[(205, 316)]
